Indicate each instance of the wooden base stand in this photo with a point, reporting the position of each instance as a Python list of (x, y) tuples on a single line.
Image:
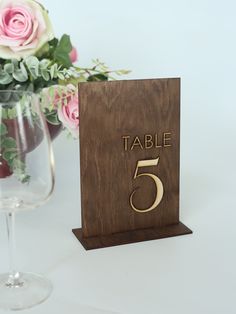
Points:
[(127, 237)]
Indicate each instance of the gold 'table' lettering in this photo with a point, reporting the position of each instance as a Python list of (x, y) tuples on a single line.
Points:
[(137, 143), (148, 141)]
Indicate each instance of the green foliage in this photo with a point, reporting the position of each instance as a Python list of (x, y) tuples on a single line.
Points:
[(19, 74), (43, 51), (62, 51), (99, 72), (3, 129), (11, 155), (52, 46), (97, 77), (5, 78), (19, 169), (52, 117), (33, 65), (8, 144), (49, 67)]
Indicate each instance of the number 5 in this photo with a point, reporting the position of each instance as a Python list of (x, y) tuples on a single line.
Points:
[(159, 185)]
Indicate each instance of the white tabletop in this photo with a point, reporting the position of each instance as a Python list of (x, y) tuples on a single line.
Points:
[(188, 274)]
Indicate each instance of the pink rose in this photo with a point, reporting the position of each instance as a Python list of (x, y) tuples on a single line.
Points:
[(68, 114), (65, 100), (24, 28), (73, 55)]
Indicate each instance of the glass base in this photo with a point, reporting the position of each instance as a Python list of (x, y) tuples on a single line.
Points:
[(27, 291)]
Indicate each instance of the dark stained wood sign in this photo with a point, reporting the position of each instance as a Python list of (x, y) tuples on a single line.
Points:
[(129, 157)]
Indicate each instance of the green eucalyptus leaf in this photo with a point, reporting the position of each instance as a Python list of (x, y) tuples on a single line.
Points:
[(15, 63), (9, 156), (45, 75), (19, 169), (53, 70), (32, 63), (5, 78), (44, 64), (9, 143), (9, 68), (20, 76), (52, 117), (122, 72), (3, 129), (23, 69), (18, 165), (60, 76)]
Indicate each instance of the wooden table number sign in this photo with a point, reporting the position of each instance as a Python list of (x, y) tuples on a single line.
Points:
[(129, 158)]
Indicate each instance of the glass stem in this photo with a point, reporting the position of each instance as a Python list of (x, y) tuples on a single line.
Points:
[(14, 276)]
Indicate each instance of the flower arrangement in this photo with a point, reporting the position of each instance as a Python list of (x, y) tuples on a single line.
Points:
[(33, 59)]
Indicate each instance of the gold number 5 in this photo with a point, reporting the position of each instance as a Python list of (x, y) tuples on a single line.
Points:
[(159, 185)]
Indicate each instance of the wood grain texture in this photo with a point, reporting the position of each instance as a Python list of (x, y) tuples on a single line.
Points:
[(128, 237), (108, 111)]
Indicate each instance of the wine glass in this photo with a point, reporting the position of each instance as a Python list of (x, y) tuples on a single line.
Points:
[(26, 182)]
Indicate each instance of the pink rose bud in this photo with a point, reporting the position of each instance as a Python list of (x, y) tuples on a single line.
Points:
[(73, 55)]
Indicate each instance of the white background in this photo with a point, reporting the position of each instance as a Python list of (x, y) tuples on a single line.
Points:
[(194, 274)]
